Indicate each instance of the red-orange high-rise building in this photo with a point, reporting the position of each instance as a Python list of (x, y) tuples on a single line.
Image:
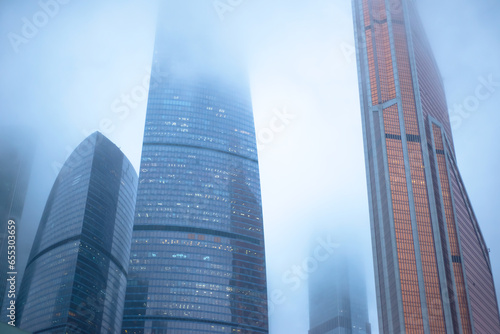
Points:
[(432, 267)]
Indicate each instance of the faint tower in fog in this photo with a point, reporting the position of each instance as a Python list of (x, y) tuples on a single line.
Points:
[(16, 157), (337, 294)]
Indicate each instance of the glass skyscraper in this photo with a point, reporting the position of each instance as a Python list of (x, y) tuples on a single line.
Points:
[(16, 156), (75, 278), (432, 267), (197, 262), (337, 295)]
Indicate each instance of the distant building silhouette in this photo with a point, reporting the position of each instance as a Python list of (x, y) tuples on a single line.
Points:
[(16, 157), (75, 278), (337, 295), (197, 259), (432, 266)]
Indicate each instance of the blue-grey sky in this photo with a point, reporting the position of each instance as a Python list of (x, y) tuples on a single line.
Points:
[(86, 66)]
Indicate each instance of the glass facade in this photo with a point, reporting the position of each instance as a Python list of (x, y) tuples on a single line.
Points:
[(428, 249), (337, 296), (16, 157), (75, 279), (197, 262)]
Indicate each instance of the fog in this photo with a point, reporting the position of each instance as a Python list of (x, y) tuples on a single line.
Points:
[(87, 68)]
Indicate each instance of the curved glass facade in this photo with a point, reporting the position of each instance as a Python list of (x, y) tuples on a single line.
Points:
[(428, 248), (75, 278), (197, 262)]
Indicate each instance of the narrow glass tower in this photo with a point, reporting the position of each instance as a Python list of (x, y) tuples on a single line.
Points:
[(16, 158), (75, 279), (197, 261), (432, 267)]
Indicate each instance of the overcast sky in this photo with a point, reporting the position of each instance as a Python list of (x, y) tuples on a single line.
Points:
[(64, 79)]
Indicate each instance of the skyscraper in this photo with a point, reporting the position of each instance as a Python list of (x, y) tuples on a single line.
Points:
[(75, 278), (432, 267), (197, 261), (16, 156), (337, 295)]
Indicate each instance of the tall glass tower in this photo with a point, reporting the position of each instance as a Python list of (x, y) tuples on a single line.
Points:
[(337, 295), (432, 267), (197, 261), (75, 279), (16, 157)]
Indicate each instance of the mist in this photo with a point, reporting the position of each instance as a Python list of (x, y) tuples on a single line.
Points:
[(87, 68)]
